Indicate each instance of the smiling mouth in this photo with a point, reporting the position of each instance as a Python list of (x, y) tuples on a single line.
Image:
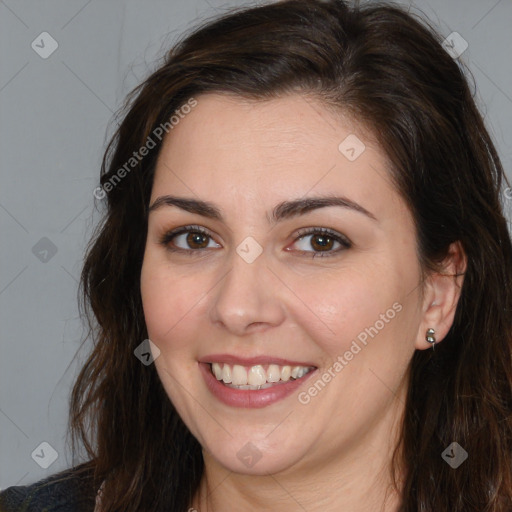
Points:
[(258, 376)]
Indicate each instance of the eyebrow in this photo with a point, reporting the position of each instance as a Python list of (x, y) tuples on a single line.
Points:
[(284, 210)]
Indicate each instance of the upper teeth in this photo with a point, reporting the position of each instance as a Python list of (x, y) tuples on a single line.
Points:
[(257, 375)]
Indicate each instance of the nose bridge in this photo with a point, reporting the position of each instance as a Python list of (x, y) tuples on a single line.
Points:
[(245, 296)]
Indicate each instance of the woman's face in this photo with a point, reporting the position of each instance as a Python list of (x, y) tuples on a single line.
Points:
[(293, 256)]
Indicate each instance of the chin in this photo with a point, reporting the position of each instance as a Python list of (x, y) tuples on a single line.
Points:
[(256, 454)]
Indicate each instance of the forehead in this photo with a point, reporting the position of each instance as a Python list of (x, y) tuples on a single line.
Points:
[(290, 125), (285, 147)]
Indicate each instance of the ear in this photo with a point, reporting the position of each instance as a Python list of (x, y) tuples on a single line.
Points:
[(441, 295)]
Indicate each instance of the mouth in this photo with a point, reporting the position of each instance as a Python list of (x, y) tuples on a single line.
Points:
[(253, 383), (257, 377)]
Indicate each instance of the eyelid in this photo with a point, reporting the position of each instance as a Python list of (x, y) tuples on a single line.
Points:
[(314, 230)]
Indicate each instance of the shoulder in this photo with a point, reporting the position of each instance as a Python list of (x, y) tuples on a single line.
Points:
[(69, 491)]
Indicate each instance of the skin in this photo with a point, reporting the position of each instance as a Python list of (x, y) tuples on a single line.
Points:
[(245, 157)]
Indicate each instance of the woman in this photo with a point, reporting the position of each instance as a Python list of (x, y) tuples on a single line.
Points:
[(304, 218)]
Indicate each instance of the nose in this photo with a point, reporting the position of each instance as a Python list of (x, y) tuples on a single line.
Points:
[(248, 299)]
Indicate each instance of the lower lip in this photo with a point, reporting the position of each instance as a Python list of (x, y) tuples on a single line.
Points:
[(248, 398)]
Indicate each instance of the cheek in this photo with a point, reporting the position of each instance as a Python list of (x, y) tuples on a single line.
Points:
[(337, 308), (170, 302)]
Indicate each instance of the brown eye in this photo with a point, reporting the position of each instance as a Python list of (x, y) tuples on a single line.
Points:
[(188, 239), (197, 240), (321, 242)]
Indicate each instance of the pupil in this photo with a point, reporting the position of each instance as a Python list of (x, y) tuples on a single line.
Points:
[(321, 242), (197, 240)]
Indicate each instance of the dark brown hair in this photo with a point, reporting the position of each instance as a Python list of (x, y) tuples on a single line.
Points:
[(389, 70)]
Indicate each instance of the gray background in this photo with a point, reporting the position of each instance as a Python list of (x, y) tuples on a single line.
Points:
[(55, 116)]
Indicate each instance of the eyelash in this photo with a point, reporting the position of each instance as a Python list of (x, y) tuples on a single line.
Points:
[(344, 242)]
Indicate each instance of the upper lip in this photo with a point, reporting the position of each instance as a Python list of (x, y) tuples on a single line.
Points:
[(252, 361)]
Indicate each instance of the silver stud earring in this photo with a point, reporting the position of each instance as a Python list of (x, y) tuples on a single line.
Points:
[(430, 337)]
